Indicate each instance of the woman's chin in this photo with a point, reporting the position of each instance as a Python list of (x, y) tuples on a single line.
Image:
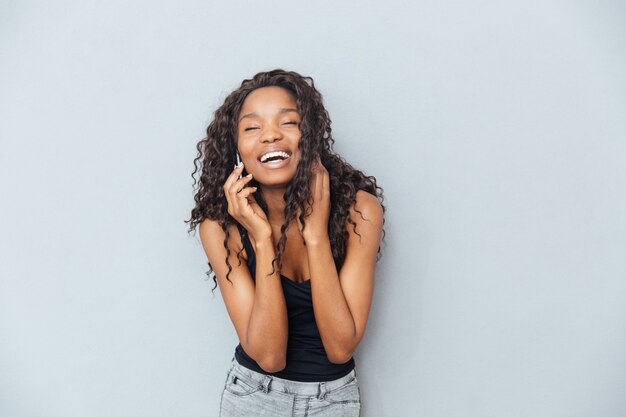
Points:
[(275, 180), (274, 185)]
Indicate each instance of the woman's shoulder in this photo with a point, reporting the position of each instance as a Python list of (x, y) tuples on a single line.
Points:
[(366, 207), (212, 237)]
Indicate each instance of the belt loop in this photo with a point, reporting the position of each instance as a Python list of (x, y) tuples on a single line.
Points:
[(323, 391), (266, 384)]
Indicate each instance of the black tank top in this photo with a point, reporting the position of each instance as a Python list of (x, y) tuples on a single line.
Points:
[(306, 358)]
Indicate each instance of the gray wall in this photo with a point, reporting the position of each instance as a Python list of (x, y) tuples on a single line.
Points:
[(497, 131)]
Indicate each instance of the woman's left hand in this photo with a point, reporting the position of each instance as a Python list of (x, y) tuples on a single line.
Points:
[(316, 227)]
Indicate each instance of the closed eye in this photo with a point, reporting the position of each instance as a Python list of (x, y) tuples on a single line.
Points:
[(291, 123), (250, 128)]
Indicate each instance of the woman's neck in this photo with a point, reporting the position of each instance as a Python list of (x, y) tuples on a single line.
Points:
[(275, 200)]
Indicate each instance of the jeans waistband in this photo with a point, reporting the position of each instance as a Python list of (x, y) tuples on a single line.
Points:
[(270, 382)]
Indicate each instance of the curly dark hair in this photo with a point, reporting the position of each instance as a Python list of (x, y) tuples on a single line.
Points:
[(216, 158)]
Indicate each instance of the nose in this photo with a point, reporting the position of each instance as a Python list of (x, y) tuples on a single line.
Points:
[(271, 134)]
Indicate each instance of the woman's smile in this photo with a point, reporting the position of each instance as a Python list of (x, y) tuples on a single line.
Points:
[(275, 157)]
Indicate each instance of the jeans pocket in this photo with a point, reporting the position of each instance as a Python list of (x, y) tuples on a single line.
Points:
[(241, 387), (346, 394)]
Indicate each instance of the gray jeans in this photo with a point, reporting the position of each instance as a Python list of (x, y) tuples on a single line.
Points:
[(248, 393)]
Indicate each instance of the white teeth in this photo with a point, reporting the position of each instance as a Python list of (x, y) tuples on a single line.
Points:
[(273, 154)]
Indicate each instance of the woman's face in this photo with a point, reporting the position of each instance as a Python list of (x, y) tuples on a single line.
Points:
[(268, 133)]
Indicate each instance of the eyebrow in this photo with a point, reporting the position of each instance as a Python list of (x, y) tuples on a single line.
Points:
[(283, 110)]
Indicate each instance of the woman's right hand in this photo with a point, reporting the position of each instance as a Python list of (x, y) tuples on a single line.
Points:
[(243, 207)]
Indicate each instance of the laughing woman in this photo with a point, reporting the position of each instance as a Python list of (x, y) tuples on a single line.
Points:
[(292, 234)]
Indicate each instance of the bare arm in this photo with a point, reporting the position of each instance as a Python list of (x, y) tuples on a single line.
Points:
[(342, 300), (268, 320), (258, 311)]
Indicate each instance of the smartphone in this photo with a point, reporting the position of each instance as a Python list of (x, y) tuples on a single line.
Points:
[(238, 162)]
